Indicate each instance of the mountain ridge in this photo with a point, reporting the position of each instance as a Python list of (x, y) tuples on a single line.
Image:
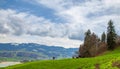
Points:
[(34, 51)]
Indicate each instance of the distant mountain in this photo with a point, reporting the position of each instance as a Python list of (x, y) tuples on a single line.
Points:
[(34, 51)]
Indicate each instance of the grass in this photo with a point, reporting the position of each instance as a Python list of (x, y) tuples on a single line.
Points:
[(109, 60)]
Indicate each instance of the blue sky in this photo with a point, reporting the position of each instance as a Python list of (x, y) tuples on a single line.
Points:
[(55, 22), (24, 6)]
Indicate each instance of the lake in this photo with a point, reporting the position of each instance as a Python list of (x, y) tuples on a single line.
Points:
[(5, 64)]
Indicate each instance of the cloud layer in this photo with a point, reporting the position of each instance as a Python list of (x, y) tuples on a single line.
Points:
[(77, 16), (24, 27), (85, 14)]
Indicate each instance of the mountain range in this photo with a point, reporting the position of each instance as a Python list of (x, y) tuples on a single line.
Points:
[(34, 51)]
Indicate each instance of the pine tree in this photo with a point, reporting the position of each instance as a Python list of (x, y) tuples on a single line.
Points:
[(84, 49), (87, 35), (87, 39), (111, 36), (103, 37)]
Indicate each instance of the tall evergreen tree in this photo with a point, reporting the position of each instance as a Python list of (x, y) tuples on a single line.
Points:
[(87, 34), (87, 39), (103, 37), (111, 35), (85, 48)]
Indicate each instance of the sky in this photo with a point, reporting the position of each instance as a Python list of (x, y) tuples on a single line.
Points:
[(55, 22)]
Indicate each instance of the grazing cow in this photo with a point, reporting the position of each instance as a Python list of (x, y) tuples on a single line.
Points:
[(73, 57), (76, 57)]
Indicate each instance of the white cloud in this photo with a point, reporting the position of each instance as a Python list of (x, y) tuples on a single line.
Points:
[(111, 3), (89, 14), (64, 42), (23, 27), (79, 16)]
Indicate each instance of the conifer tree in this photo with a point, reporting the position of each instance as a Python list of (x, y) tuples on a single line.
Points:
[(103, 37), (87, 35), (111, 36)]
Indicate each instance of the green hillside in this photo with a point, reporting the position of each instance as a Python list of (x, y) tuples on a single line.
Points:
[(109, 60)]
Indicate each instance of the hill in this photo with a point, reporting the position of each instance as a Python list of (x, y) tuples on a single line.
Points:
[(14, 51), (108, 60)]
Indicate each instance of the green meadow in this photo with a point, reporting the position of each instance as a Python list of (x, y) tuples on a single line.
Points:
[(108, 60)]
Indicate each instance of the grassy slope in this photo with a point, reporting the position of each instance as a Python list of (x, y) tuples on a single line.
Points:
[(103, 62)]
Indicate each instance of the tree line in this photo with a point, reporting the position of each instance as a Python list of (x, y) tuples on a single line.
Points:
[(93, 45)]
